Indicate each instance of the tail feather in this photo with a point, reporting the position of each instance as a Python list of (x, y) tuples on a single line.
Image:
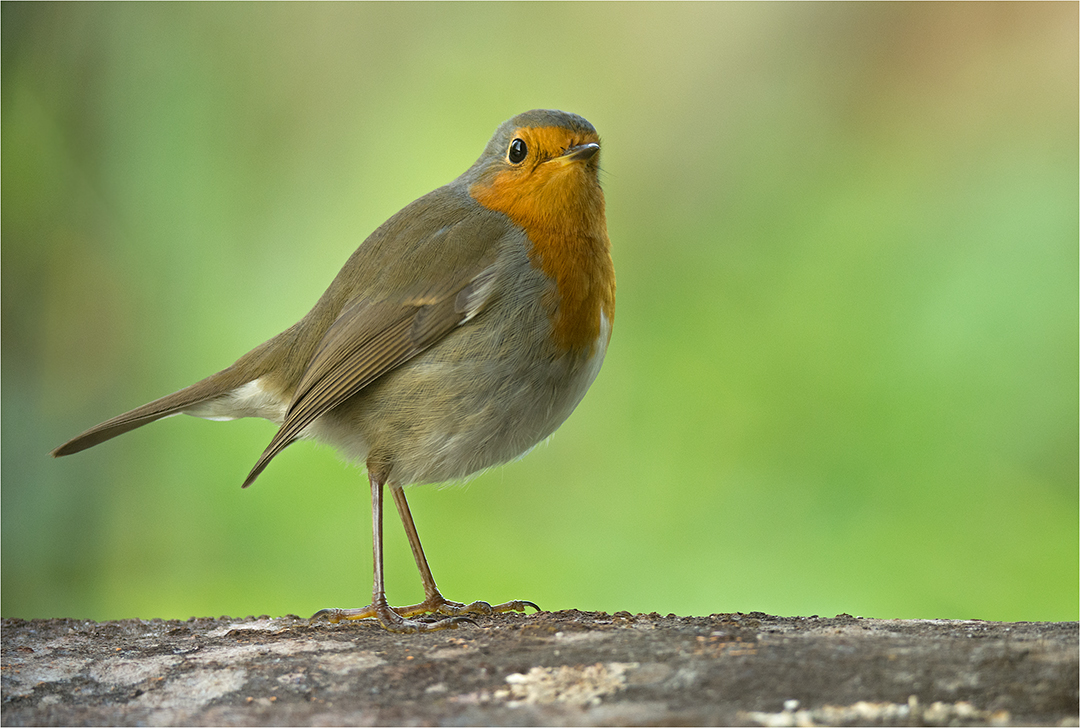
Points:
[(175, 403)]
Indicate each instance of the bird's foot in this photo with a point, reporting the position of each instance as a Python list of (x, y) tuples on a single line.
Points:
[(398, 619), (391, 619), (438, 604)]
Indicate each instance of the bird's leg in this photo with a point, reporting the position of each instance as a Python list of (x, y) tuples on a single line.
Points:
[(434, 602), (391, 620)]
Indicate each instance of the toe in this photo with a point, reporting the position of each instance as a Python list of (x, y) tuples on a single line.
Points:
[(336, 615), (517, 605)]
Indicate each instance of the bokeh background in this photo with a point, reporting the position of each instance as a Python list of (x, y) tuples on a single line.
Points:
[(844, 369)]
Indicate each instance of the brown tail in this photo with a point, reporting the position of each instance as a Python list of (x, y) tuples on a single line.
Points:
[(175, 403)]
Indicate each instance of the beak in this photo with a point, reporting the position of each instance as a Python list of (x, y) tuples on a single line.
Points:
[(580, 153)]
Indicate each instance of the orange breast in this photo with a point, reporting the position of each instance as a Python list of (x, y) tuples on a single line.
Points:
[(560, 206)]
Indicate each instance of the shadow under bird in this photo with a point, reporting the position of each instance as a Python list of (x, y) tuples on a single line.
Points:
[(459, 335)]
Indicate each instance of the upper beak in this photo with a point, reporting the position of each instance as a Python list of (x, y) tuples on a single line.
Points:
[(580, 153)]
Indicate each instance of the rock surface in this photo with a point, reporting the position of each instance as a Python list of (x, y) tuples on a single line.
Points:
[(562, 668)]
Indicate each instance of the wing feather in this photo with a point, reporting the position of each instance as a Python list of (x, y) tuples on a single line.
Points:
[(370, 339)]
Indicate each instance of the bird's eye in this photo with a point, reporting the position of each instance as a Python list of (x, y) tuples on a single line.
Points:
[(518, 151)]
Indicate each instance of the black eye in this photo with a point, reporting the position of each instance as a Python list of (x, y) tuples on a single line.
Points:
[(518, 151)]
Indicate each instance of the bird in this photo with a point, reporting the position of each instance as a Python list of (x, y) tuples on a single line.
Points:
[(459, 335)]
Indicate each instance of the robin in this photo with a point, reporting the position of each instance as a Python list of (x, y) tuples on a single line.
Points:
[(459, 335)]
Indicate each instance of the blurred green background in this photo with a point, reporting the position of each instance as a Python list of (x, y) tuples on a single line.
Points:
[(844, 369)]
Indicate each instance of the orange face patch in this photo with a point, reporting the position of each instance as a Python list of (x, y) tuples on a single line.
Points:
[(557, 200)]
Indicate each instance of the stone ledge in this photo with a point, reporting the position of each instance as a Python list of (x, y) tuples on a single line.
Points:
[(562, 668)]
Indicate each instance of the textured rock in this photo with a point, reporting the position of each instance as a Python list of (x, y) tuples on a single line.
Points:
[(564, 668)]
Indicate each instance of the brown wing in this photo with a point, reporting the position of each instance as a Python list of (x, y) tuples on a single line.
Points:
[(370, 339)]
